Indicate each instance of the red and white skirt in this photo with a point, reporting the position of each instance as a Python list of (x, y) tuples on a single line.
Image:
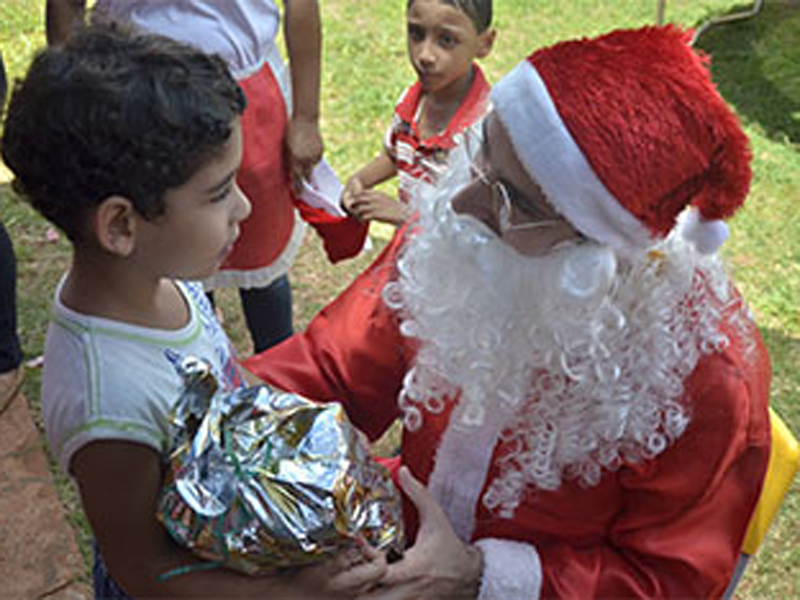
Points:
[(271, 236)]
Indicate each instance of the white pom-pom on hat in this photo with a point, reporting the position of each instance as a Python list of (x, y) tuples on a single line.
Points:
[(706, 235)]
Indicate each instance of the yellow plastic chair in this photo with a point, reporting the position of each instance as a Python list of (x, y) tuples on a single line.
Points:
[(784, 460)]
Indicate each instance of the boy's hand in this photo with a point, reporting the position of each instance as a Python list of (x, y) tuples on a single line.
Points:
[(372, 205), (304, 149), (351, 191)]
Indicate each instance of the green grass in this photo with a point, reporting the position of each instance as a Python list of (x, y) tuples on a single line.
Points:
[(756, 65)]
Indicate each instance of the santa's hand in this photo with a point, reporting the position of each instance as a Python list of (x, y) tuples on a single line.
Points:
[(439, 564), (372, 205)]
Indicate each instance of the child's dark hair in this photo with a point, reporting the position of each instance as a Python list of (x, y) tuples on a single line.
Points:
[(3, 83), (479, 11), (115, 112)]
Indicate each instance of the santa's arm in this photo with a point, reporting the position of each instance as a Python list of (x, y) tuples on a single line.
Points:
[(351, 352), (684, 516)]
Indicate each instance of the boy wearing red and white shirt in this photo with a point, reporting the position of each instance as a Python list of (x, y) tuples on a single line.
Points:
[(436, 113)]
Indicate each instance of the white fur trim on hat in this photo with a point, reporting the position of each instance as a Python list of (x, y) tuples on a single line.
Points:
[(511, 570), (555, 161)]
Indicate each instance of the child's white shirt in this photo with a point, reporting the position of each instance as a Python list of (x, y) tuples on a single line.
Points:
[(108, 380), (242, 32)]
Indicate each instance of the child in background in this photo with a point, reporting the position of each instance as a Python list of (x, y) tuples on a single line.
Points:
[(137, 164), (11, 369), (282, 141), (434, 115)]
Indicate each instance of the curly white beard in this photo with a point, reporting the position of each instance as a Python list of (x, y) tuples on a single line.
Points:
[(576, 359)]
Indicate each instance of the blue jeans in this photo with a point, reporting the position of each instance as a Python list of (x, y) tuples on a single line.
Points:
[(10, 351), (267, 312), (105, 588)]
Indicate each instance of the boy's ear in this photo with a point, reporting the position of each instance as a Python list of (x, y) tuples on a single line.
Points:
[(486, 42), (115, 221)]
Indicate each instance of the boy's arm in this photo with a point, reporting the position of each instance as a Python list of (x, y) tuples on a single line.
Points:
[(372, 205), (60, 19), (119, 484), (303, 35), (380, 169)]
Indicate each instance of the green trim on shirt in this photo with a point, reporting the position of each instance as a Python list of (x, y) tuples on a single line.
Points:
[(81, 329), (114, 426)]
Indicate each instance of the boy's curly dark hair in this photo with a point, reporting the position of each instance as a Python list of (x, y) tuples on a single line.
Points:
[(115, 112), (479, 11)]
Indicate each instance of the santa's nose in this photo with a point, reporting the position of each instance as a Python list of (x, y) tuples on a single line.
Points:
[(476, 200)]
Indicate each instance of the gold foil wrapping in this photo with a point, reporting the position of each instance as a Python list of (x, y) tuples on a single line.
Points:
[(260, 479)]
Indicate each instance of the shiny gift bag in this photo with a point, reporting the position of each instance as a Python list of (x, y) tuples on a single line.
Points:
[(260, 479)]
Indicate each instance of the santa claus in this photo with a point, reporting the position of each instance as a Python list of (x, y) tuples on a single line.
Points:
[(583, 392)]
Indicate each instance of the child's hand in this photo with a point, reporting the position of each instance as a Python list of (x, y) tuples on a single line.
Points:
[(351, 190), (372, 205), (304, 149), (348, 574)]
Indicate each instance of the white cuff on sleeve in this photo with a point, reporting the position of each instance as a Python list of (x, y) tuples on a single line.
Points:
[(511, 570)]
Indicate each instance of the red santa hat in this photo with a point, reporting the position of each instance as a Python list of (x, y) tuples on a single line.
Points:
[(625, 131)]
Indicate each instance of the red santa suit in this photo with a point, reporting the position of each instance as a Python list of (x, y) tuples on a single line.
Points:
[(667, 527), (623, 135)]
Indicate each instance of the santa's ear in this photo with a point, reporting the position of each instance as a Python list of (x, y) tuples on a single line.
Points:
[(486, 42), (115, 225)]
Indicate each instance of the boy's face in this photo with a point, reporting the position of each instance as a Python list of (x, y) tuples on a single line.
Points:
[(442, 44), (201, 222)]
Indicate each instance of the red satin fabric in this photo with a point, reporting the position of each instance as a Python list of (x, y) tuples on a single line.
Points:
[(342, 237), (337, 359), (670, 527)]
